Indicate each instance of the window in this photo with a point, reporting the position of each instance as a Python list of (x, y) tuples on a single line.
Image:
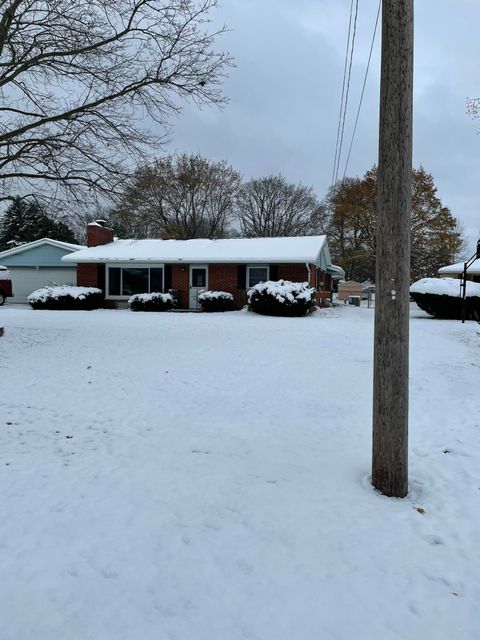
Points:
[(156, 280), (199, 277), (256, 274), (114, 281), (125, 281), (134, 281)]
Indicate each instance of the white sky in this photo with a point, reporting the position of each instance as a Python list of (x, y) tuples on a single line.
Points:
[(285, 92)]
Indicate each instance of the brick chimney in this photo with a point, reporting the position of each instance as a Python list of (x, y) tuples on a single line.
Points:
[(98, 233)]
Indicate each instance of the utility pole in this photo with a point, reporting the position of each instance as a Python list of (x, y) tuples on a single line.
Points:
[(390, 384), (463, 281)]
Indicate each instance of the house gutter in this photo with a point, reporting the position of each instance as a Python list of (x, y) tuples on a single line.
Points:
[(309, 271)]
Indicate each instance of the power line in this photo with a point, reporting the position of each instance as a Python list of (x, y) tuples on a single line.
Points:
[(343, 92), (347, 91), (363, 89)]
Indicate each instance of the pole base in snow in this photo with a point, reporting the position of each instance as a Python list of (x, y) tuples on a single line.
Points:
[(390, 485)]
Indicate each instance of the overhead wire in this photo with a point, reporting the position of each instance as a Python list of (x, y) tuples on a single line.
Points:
[(352, 48), (343, 92), (363, 90)]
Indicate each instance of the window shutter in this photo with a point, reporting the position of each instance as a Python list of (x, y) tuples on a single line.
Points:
[(273, 272), (168, 277), (101, 277), (242, 276)]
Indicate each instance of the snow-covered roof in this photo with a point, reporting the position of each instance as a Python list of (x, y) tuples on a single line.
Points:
[(277, 250), (457, 268), (37, 243)]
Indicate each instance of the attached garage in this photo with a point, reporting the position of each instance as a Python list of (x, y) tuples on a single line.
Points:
[(38, 264)]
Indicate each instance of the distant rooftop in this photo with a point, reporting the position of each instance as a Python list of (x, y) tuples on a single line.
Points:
[(455, 269), (26, 246)]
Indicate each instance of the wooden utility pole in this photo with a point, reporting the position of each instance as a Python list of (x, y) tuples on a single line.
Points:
[(390, 392)]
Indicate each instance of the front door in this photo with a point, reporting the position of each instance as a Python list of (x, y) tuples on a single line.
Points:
[(198, 283)]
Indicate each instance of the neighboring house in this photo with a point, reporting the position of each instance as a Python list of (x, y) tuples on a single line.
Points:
[(37, 264), (456, 271), (349, 288), (122, 268)]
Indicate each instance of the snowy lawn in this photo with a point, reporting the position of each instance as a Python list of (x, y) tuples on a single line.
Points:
[(205, 477)]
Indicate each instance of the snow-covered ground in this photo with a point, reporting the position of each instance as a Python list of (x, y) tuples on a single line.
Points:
[(205, 477)]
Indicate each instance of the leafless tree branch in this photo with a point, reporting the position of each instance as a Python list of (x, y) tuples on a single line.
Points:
[(271, 206), (82, 83), (181, 197)]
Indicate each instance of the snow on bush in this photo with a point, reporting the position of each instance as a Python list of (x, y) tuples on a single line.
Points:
[(281, 298), (152, 302), (216, 301), (66, 297), (444, 287), (215, 295), (441, 297)]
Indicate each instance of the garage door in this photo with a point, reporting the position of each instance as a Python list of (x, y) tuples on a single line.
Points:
[(25, 280)]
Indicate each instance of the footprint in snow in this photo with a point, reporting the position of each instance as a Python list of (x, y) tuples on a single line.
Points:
[(109, 574)]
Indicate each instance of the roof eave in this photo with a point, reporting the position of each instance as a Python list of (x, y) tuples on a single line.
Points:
[(199, 260)]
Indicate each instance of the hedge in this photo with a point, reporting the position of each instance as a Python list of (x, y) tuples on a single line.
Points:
[(440, 297), (212, 301), (66, 298), (152, 302), (281, 298)]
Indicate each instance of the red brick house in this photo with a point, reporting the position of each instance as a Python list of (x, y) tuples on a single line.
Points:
[(122, 268)]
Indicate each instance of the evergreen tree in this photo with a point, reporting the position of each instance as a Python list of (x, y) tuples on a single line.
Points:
[(25, 221)]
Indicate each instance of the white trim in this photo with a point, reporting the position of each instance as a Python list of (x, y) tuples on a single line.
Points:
[(36, 243), (129, 265), (183, 261), (256, 266), (199, 266), (198, 289)]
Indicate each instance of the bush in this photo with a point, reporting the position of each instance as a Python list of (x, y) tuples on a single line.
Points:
[(440, 297), (216, 301), (152, 302), (66, 298), (281, 298), (177, 298)]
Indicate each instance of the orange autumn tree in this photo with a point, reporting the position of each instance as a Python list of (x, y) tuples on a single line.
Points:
[(351, 208)]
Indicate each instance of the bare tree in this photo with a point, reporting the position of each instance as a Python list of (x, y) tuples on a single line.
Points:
[(80, 81), (473, 107), (270, 206), (183, 197)]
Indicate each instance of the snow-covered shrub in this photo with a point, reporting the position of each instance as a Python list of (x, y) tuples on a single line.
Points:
[(441, 297), (177, 298), (152, 302), (66, 297), (216, 301), (281, 298)]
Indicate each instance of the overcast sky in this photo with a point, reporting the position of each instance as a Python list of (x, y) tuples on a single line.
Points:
[(285, 94)]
